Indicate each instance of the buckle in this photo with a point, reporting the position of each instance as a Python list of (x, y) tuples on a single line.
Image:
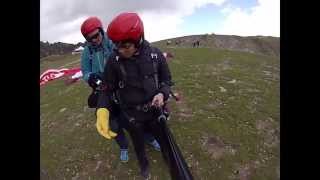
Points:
[(114, 98), (162, 117), (145, 108), (131, 120), (121, 84)]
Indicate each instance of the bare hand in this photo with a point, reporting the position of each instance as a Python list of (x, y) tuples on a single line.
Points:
[(157, 100)]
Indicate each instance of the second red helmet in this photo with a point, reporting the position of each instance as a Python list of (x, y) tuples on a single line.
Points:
[(89, 25), (126, 26)]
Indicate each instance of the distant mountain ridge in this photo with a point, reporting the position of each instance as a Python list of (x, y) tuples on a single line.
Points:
[(266, 45)]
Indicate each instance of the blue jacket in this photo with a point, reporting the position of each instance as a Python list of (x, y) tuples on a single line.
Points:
[(100, 55)]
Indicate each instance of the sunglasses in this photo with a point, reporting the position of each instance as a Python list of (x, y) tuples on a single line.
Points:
[(90, 39)]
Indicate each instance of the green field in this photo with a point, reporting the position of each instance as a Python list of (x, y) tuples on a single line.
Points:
[(227, 124)]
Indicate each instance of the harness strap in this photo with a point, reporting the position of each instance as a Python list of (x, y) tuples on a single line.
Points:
[(90, 57), (154, 64), (124, 76)]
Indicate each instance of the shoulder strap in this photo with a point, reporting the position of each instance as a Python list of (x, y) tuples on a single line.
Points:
[(123, 72), (154, 57), (90, 57)]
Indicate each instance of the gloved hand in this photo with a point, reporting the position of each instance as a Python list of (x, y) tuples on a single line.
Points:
[(93, 79), (103, 124)]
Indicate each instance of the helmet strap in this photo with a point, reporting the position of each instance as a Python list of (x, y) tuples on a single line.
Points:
[(139, 42), (101, 31)]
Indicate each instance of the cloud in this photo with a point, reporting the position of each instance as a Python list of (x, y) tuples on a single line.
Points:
[(60, 20), (263, 19), (161, 26)]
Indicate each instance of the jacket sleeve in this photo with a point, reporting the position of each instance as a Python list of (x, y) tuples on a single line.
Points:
[(109, 77), (85, 64), (164, 76)]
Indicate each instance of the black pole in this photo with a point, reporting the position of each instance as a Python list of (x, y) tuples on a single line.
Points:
[(179, 168)]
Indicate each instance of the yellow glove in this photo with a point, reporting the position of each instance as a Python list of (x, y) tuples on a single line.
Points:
[(103, 124)]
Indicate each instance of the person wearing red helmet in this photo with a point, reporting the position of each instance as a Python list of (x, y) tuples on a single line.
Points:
[(140, 77), (130, 40), (97, 50), (93, 59)]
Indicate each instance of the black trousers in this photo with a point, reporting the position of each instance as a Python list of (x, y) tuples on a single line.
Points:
[(144, 122), (99, 99)]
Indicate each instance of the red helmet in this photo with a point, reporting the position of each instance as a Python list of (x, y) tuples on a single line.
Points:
[(126, 26), (89, 25)]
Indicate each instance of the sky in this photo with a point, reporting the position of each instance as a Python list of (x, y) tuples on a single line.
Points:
[(60, 20)]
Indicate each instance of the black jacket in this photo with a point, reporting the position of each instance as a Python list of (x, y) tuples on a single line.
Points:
[(134, 78)]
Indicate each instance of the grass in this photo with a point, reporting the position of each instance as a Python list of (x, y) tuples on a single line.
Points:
[(59, 61), (244, 118)]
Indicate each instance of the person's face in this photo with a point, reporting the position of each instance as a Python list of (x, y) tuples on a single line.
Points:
[(95, 37), (126, 49)]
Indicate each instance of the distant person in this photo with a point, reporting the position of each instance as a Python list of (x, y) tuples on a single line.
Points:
[(198, 43)]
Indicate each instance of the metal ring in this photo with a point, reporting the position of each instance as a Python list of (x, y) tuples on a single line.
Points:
[(162, 117), (121, 84), (145, 108), (131, 119)]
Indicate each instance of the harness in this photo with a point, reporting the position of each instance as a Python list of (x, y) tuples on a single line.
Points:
[(153, 57), (122, 82), (90, 57)]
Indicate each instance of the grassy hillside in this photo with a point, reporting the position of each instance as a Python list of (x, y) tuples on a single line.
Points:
[(226, 125), (264, 45)]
